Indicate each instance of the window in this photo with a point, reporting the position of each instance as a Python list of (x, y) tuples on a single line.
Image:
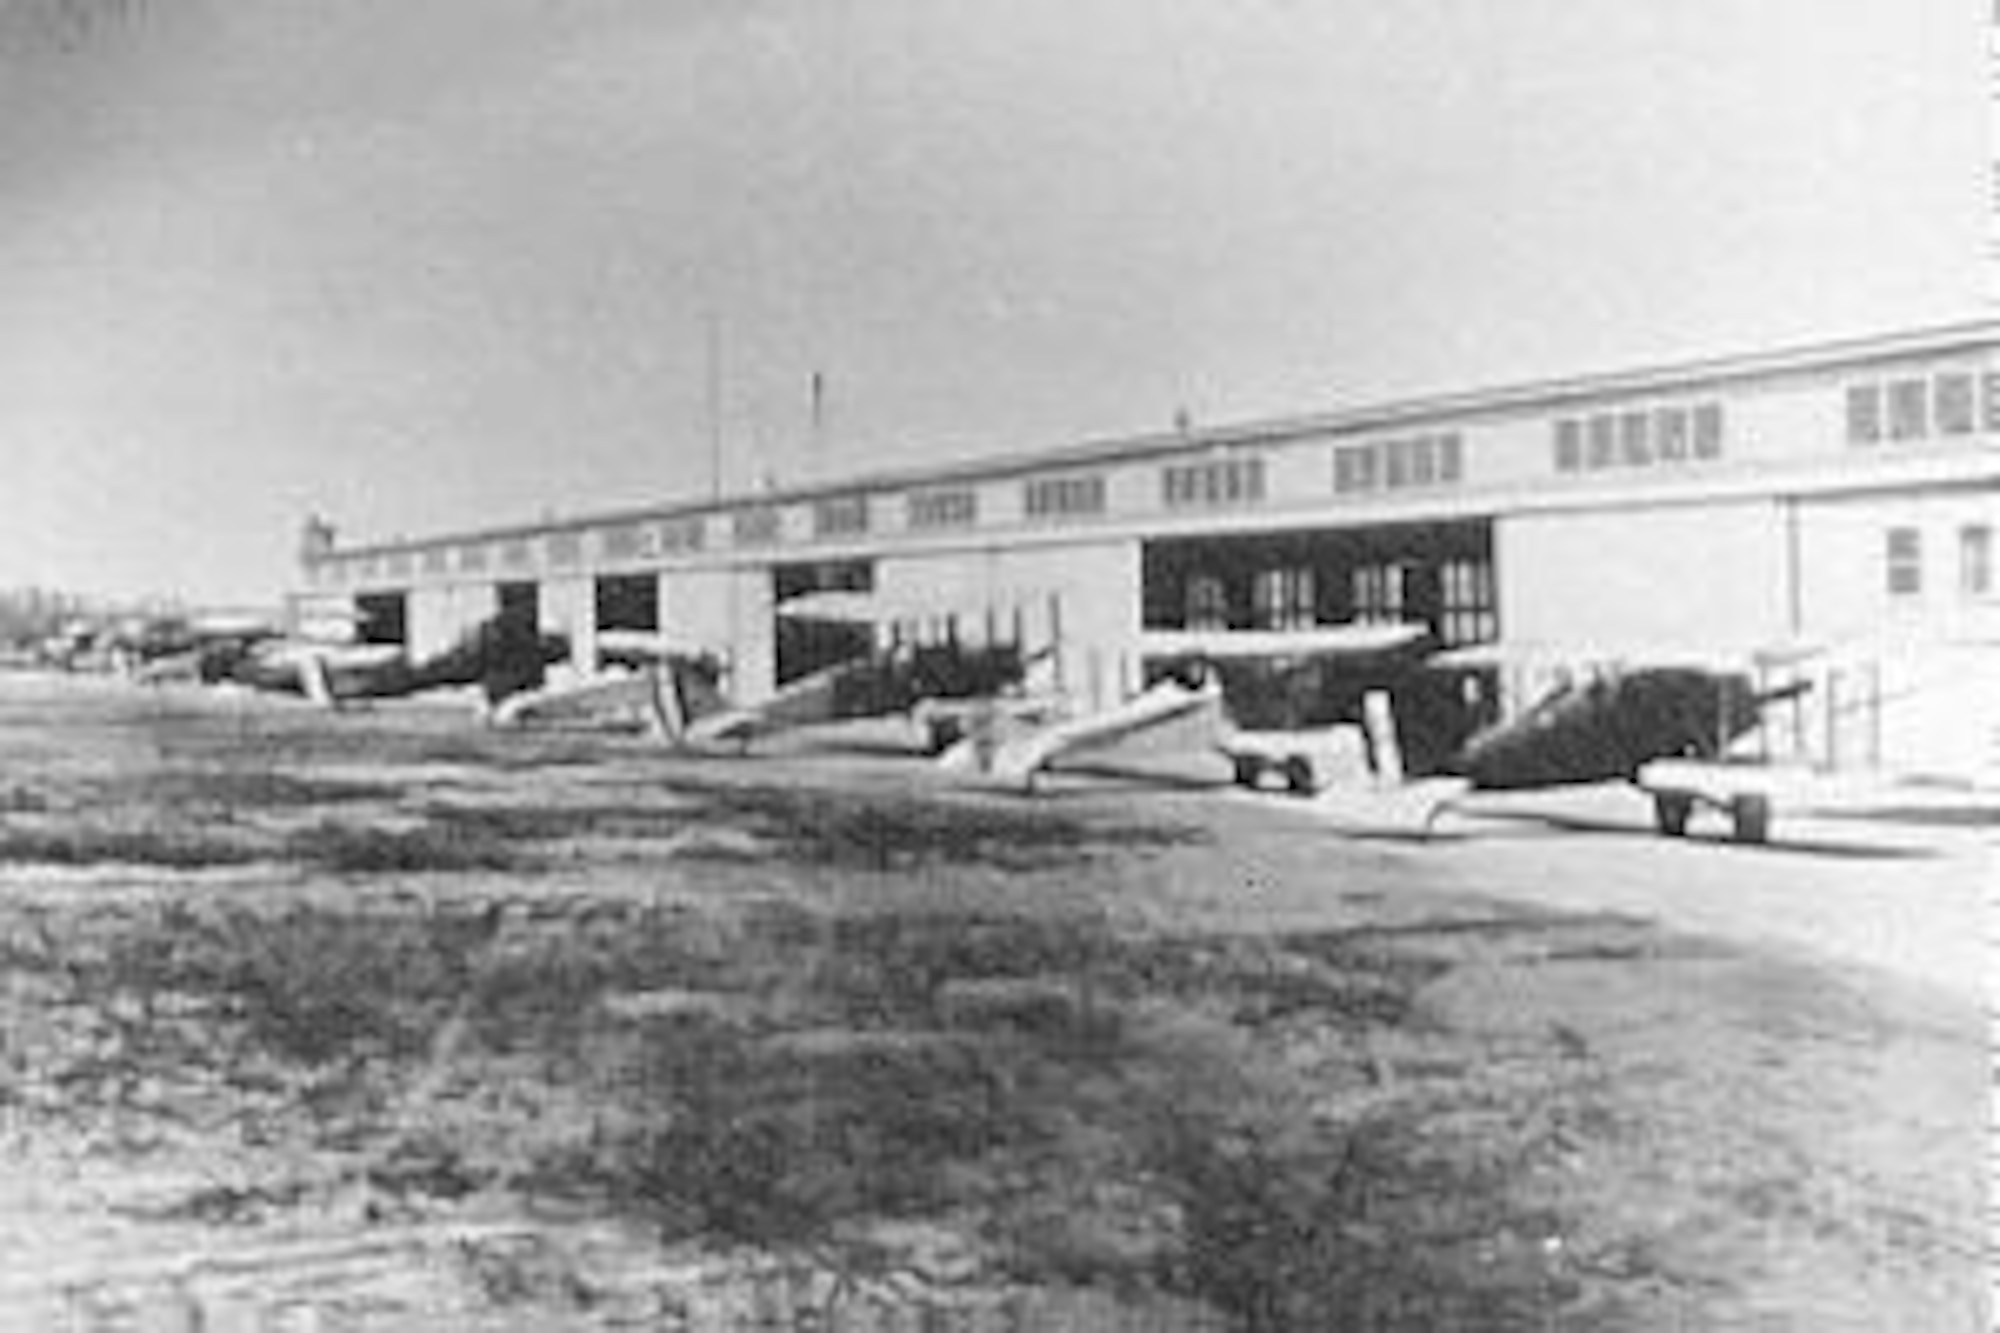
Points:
[(1991, 383), (471, 558), (1395, 465), (1603, 441), (681, 534), (1378, 594), (1708, 430), (1909, 415), (626, 542), (399, 564), (1423, 462), (515, 554), (1905, 562), (1864, 413), (1975, 560), (840, 516), (565, 548), (1354, 468), (1469, 614), (1226, 481), (1049, 497), (957, 508), (1951, 404), (1569, 445), (756, 526), (1670, 434), (1450, 457), (1282, 598), (1207, 603), (1635, 444), (436, 561)]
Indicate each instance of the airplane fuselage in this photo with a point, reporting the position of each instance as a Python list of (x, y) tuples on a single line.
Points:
[(1608, 728)]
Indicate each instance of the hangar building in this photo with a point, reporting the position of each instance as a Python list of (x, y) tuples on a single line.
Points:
[(1842, 495)]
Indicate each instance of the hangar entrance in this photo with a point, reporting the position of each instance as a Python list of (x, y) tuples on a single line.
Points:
[(519, 605), (805, 646), (628, 602), (1435, 575), (383, 617)]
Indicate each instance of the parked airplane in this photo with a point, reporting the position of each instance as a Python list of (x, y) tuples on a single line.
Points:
[(1617, 722), (677, 685), (1206, 680), (501, 655), (1616, 725)]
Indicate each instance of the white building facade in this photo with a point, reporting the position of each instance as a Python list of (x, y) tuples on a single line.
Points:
[(1843, 496)]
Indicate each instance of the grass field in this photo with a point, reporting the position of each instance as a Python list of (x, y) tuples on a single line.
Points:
[(271, 971)]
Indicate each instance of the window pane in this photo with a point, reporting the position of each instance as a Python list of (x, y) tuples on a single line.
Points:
[(1423, 462), (1451, 457), (1603, 440), (1864, 413), (1636, 445), (1670, 433), (1975, 560), (1569, 445), (1708, 430), (1905, 562), (1909, 417), (1953, 405)]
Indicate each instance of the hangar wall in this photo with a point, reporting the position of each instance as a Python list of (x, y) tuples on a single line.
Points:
[(726, 609), (1710, 573)]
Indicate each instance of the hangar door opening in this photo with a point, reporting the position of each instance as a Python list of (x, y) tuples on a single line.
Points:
[(628, 602), (519, 605), (384, 617), (1438, 576), (807, 644)]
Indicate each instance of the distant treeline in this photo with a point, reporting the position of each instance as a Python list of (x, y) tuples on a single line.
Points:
[(29, 615)]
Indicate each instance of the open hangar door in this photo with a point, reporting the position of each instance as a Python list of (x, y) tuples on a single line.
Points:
[(627, 603), (1438, 576), (383, 617), (805, 646)]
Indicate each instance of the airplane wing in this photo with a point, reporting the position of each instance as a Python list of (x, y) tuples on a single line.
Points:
[(1020, 758), (1718, 656), (1263, 645)]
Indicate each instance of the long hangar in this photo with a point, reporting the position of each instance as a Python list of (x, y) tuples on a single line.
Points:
[(1844, 494)]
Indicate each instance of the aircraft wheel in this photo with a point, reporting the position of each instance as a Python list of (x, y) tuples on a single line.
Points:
[(1751, 816), (1671, 811), (1300, 779), (1248, 769), (945, 733)]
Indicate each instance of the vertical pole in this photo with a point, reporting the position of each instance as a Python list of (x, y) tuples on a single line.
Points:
[(1875, 714), (1056, 637), (712, 340)]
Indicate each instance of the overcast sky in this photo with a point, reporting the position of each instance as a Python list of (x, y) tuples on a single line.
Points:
[(424, 264)]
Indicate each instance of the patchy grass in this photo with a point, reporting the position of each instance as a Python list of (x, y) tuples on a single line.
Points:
[(167, 848), (801, 1072)]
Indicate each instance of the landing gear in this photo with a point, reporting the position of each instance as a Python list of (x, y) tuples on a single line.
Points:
[(1671, 811), (945, 732), (1300, 780), (1749, 815), (1750, 818), (1248, 769)]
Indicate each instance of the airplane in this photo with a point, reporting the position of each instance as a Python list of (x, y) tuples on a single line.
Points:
[(501, 655), (1228, 684), (676, 685), (1624, 722)]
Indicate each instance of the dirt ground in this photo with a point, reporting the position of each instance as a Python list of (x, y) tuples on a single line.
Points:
[(386, 1022)]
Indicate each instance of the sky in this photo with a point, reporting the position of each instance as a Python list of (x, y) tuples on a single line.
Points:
[(421, 265)]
